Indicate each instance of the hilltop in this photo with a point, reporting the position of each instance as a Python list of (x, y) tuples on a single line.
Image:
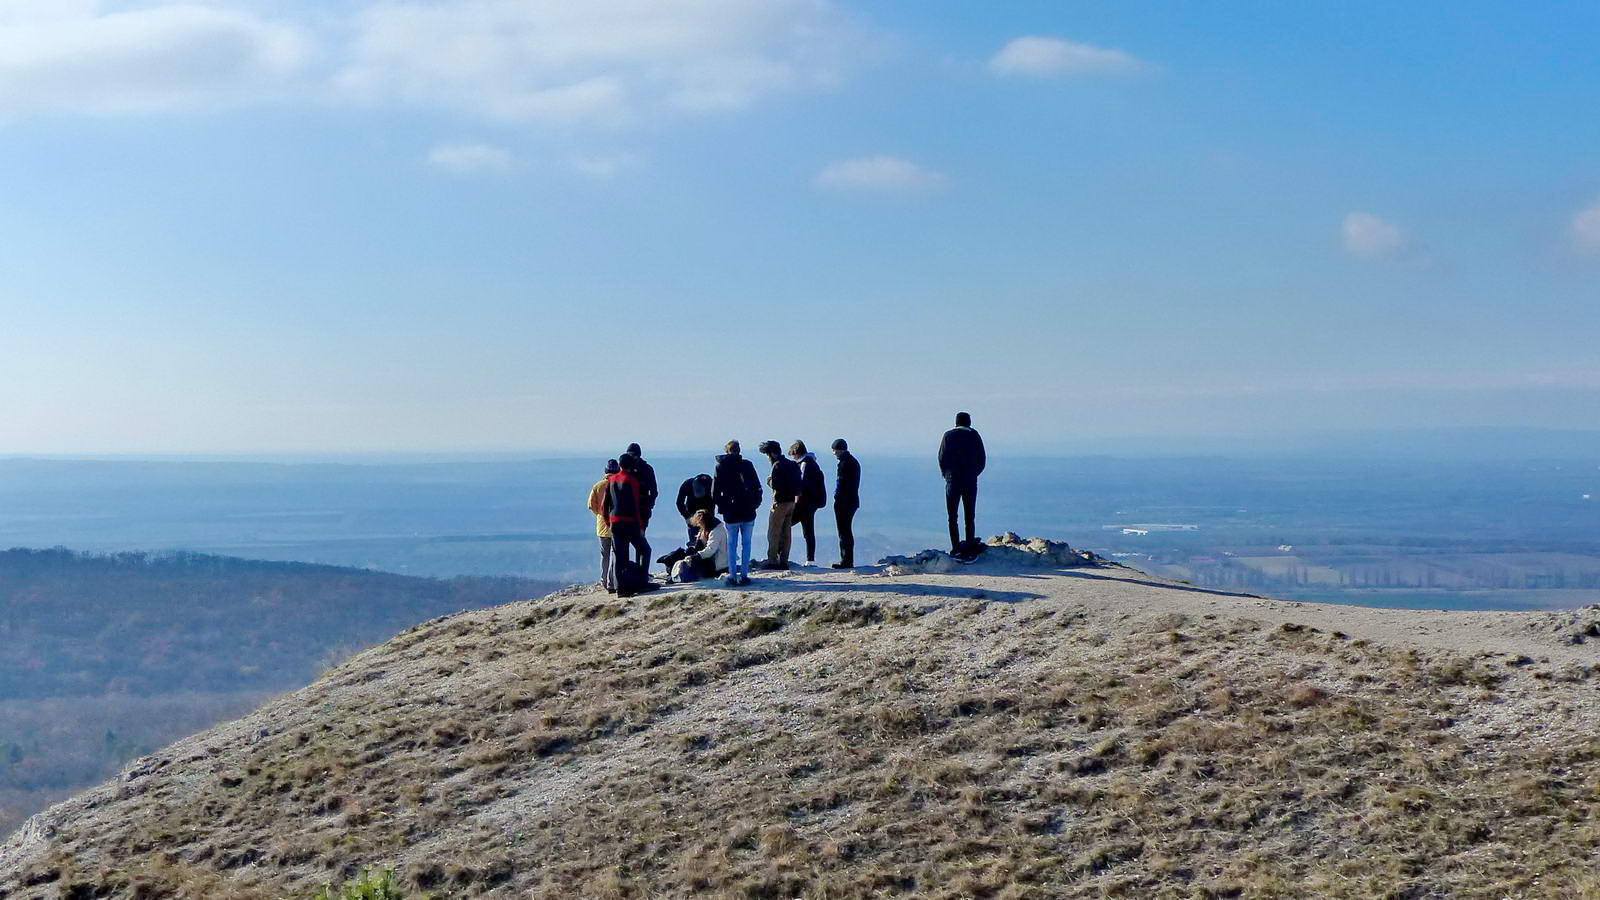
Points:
[(1038, 724)]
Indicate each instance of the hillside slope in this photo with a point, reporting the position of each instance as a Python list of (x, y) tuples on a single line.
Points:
[(1009, 729)]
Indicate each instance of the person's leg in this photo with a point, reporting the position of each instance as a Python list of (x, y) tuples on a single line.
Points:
[(969, 502), (642, 546), (619, 542), (740, 538), (844, 517), (952, 499), (777, 528), (607, 579), (786, 533), (808, 530)]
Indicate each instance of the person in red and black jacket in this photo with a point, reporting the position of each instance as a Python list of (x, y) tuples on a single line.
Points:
[(626, 511)]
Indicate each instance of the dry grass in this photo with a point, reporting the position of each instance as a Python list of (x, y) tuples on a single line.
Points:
[(688, 745)]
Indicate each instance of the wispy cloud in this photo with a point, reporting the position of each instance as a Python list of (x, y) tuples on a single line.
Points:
[(603, 62), (1370, 237), (1048, 56), (882, 174), (601, 165), (1584, 230), (71, 56), (472, 159)]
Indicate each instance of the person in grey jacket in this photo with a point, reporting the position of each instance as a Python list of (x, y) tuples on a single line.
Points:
[(962, 460)]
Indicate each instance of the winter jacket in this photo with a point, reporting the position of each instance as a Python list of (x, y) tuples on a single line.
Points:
[(847, 484), (813, 487), (716, 548), (736, 489), (784, 480), (647, 485), (961, 456), (691, 502), (597, 505), (624, 499)]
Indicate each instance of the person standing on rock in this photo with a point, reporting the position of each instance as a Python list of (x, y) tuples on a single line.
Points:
[(961, 460), (625, 511), (736, 490), (785, 484), (813, 496), (602, 524), (846, 500), (647, 484), (694, 495)]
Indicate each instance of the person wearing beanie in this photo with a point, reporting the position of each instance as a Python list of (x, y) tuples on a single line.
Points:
[(846, 500), (961, 460), (646, 474), (602, 525), (785, 484)]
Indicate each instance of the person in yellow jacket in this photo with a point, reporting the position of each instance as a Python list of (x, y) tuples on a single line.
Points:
[(602, 526)]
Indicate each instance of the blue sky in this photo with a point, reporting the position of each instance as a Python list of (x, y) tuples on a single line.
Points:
[(476, 225)]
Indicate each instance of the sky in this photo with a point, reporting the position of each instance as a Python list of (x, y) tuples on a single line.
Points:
[(273, 226)]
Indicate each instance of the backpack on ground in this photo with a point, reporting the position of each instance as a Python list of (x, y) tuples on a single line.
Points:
[(632, 579)]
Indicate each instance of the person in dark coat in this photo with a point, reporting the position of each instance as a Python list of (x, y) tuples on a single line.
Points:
[(624, 507), (736, 491), (647, 483), (961, 460), (785, 484), (846, 500), (813, 496), (694, 495)]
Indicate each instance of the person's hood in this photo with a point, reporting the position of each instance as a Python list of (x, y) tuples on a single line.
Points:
[(810, 456)]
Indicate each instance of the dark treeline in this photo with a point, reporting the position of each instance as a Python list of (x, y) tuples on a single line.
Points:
[(104, 657)]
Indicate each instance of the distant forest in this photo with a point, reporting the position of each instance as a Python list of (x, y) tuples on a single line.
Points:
[(107, 657)]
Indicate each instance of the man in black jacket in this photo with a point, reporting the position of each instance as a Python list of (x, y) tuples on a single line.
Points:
[(647, 482), (736, 489), (785, 484), (846, 500), (961, 459), (694, 495)]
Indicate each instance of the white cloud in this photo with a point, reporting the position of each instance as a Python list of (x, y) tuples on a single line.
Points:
[(1367, 236), (600, 165), (1585, 230), (472, 159), (1043, 56), (886, 174), (595, 61), (73, 56)]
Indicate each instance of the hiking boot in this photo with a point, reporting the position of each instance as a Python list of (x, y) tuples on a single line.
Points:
[(843, 565)]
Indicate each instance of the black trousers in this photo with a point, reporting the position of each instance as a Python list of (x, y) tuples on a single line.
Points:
[(844, 517), (629, 534), (961, 492), (806, 518)]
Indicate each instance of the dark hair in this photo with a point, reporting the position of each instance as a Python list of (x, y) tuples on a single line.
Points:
[(730, 447), (798, 448), (705, 519), (634, 449), (839, 444), (964, 420), (613, 467), (628, 462), (769, 448)]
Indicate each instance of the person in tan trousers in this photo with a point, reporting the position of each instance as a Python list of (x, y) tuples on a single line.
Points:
[(785, 484)]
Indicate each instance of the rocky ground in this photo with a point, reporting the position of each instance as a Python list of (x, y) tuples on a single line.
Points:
[(1035, 724)]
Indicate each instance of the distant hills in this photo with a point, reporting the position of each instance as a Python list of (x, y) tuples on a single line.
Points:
[(103, 657)]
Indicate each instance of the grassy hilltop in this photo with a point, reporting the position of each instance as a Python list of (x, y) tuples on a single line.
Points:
[(1007, 730)]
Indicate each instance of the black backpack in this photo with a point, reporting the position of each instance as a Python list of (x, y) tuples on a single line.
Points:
[(632, 579)]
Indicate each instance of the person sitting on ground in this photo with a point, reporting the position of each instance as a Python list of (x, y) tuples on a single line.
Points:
[(785, 484), (846, 500), (962, 460), (602, 525), (736, 490), (693, 496), (813, 496), (712, 558)]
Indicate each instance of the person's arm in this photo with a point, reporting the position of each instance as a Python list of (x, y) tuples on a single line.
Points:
[(982, 459), (605, 502), (719, 536), (683, 500), (596, 504), (944, 464)]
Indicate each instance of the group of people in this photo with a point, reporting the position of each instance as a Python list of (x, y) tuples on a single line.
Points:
[(625, 499)]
